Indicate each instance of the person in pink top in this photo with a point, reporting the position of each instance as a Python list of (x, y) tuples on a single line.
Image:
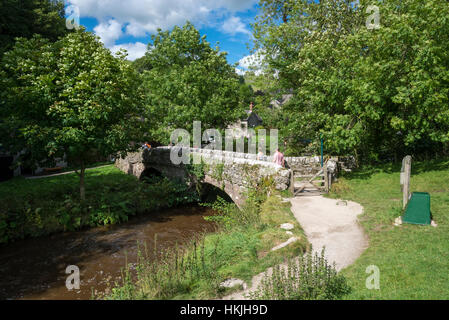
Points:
[(278, 158)]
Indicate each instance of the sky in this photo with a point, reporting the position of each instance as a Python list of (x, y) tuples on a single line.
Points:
[(130, 23)]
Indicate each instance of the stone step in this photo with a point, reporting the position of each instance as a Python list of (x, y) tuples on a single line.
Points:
[(310, 190), (308, 176), (315, 194)]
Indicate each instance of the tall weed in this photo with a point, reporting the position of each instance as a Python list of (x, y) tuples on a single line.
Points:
[(308, 277)]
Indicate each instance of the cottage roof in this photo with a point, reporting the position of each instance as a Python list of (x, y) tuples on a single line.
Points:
[(252, 113), (283, 100)]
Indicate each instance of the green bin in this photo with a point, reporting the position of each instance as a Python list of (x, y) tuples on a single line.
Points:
[(418, 209)]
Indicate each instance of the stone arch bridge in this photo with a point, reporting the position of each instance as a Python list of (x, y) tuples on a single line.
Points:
[(231, 172)]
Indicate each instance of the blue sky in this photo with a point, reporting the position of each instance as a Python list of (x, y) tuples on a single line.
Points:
[(129, 23)]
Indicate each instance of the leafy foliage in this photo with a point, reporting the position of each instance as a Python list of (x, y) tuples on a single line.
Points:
[(230, 217), (305, 278), (26, 18), (70, 98), (188, 81), (377, 93)]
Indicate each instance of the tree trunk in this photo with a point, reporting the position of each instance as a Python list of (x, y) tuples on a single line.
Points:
[(82, 185)]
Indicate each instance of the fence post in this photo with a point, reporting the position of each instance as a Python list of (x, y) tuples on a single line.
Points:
[(405, 179), (326, 178), (292, 181)]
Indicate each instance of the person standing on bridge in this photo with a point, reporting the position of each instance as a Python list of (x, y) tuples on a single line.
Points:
[(278, 158), (260, 155), (146, 146)]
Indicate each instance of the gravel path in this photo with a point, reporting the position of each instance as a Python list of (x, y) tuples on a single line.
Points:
[(326, 222), (333, 224)]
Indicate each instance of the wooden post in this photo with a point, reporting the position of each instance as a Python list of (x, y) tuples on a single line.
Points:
[(405, 179), (326, 178), (292, 181)]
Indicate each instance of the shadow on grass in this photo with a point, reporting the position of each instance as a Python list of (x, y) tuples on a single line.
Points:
[(59, 186), (367, 171)]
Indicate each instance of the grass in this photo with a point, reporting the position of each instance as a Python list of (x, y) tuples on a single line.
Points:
[(37, 207), (237, 251), (413, 260)]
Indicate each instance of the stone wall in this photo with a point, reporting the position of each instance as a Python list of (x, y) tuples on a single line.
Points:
[(231, 171), (235, 168), (305, 166), (132, 164), (311, 165)]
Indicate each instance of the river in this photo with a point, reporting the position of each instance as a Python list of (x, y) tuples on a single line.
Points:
[(35, 268)]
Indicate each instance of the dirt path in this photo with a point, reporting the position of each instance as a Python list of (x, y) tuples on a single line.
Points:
[(63, 173), (333, 224), (326, 222)]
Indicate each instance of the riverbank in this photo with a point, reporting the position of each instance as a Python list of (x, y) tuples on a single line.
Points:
[(38, 207), (412, 260), (240, 249), (327, 224), (35, 268)]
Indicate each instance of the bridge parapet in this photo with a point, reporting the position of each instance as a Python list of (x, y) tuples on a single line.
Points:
[(231, 171)]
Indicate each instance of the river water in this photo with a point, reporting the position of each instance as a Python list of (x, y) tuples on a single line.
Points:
[(35, 268)]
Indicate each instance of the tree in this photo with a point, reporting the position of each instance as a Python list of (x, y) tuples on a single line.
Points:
[(20, 18), (284, 26), (71, 97), (377, 93), (188, 81), (141, 64), (246, 94)]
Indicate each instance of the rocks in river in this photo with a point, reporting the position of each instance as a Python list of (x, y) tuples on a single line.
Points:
[(287, 226)]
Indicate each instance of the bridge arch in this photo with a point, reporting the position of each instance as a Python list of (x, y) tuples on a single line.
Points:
[(210, 193), (228, 171), (150, 172)]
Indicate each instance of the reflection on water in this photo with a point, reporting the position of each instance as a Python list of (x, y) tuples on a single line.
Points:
[(35, 268)]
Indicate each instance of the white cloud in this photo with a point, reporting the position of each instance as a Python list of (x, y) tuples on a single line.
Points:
[(252, 62), (234, 25), (135, 50), (145, 16), (138, 18), (109, 32), (240, 72)]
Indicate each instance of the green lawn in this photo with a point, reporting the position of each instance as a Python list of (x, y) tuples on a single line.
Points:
[(413, 260)]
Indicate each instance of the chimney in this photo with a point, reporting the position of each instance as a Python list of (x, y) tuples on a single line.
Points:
[(251, 107)]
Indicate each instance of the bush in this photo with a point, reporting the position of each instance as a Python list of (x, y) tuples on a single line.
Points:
[(308, 277), (229, 216)]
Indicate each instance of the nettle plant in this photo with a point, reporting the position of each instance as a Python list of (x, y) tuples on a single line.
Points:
[(308, 277)]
